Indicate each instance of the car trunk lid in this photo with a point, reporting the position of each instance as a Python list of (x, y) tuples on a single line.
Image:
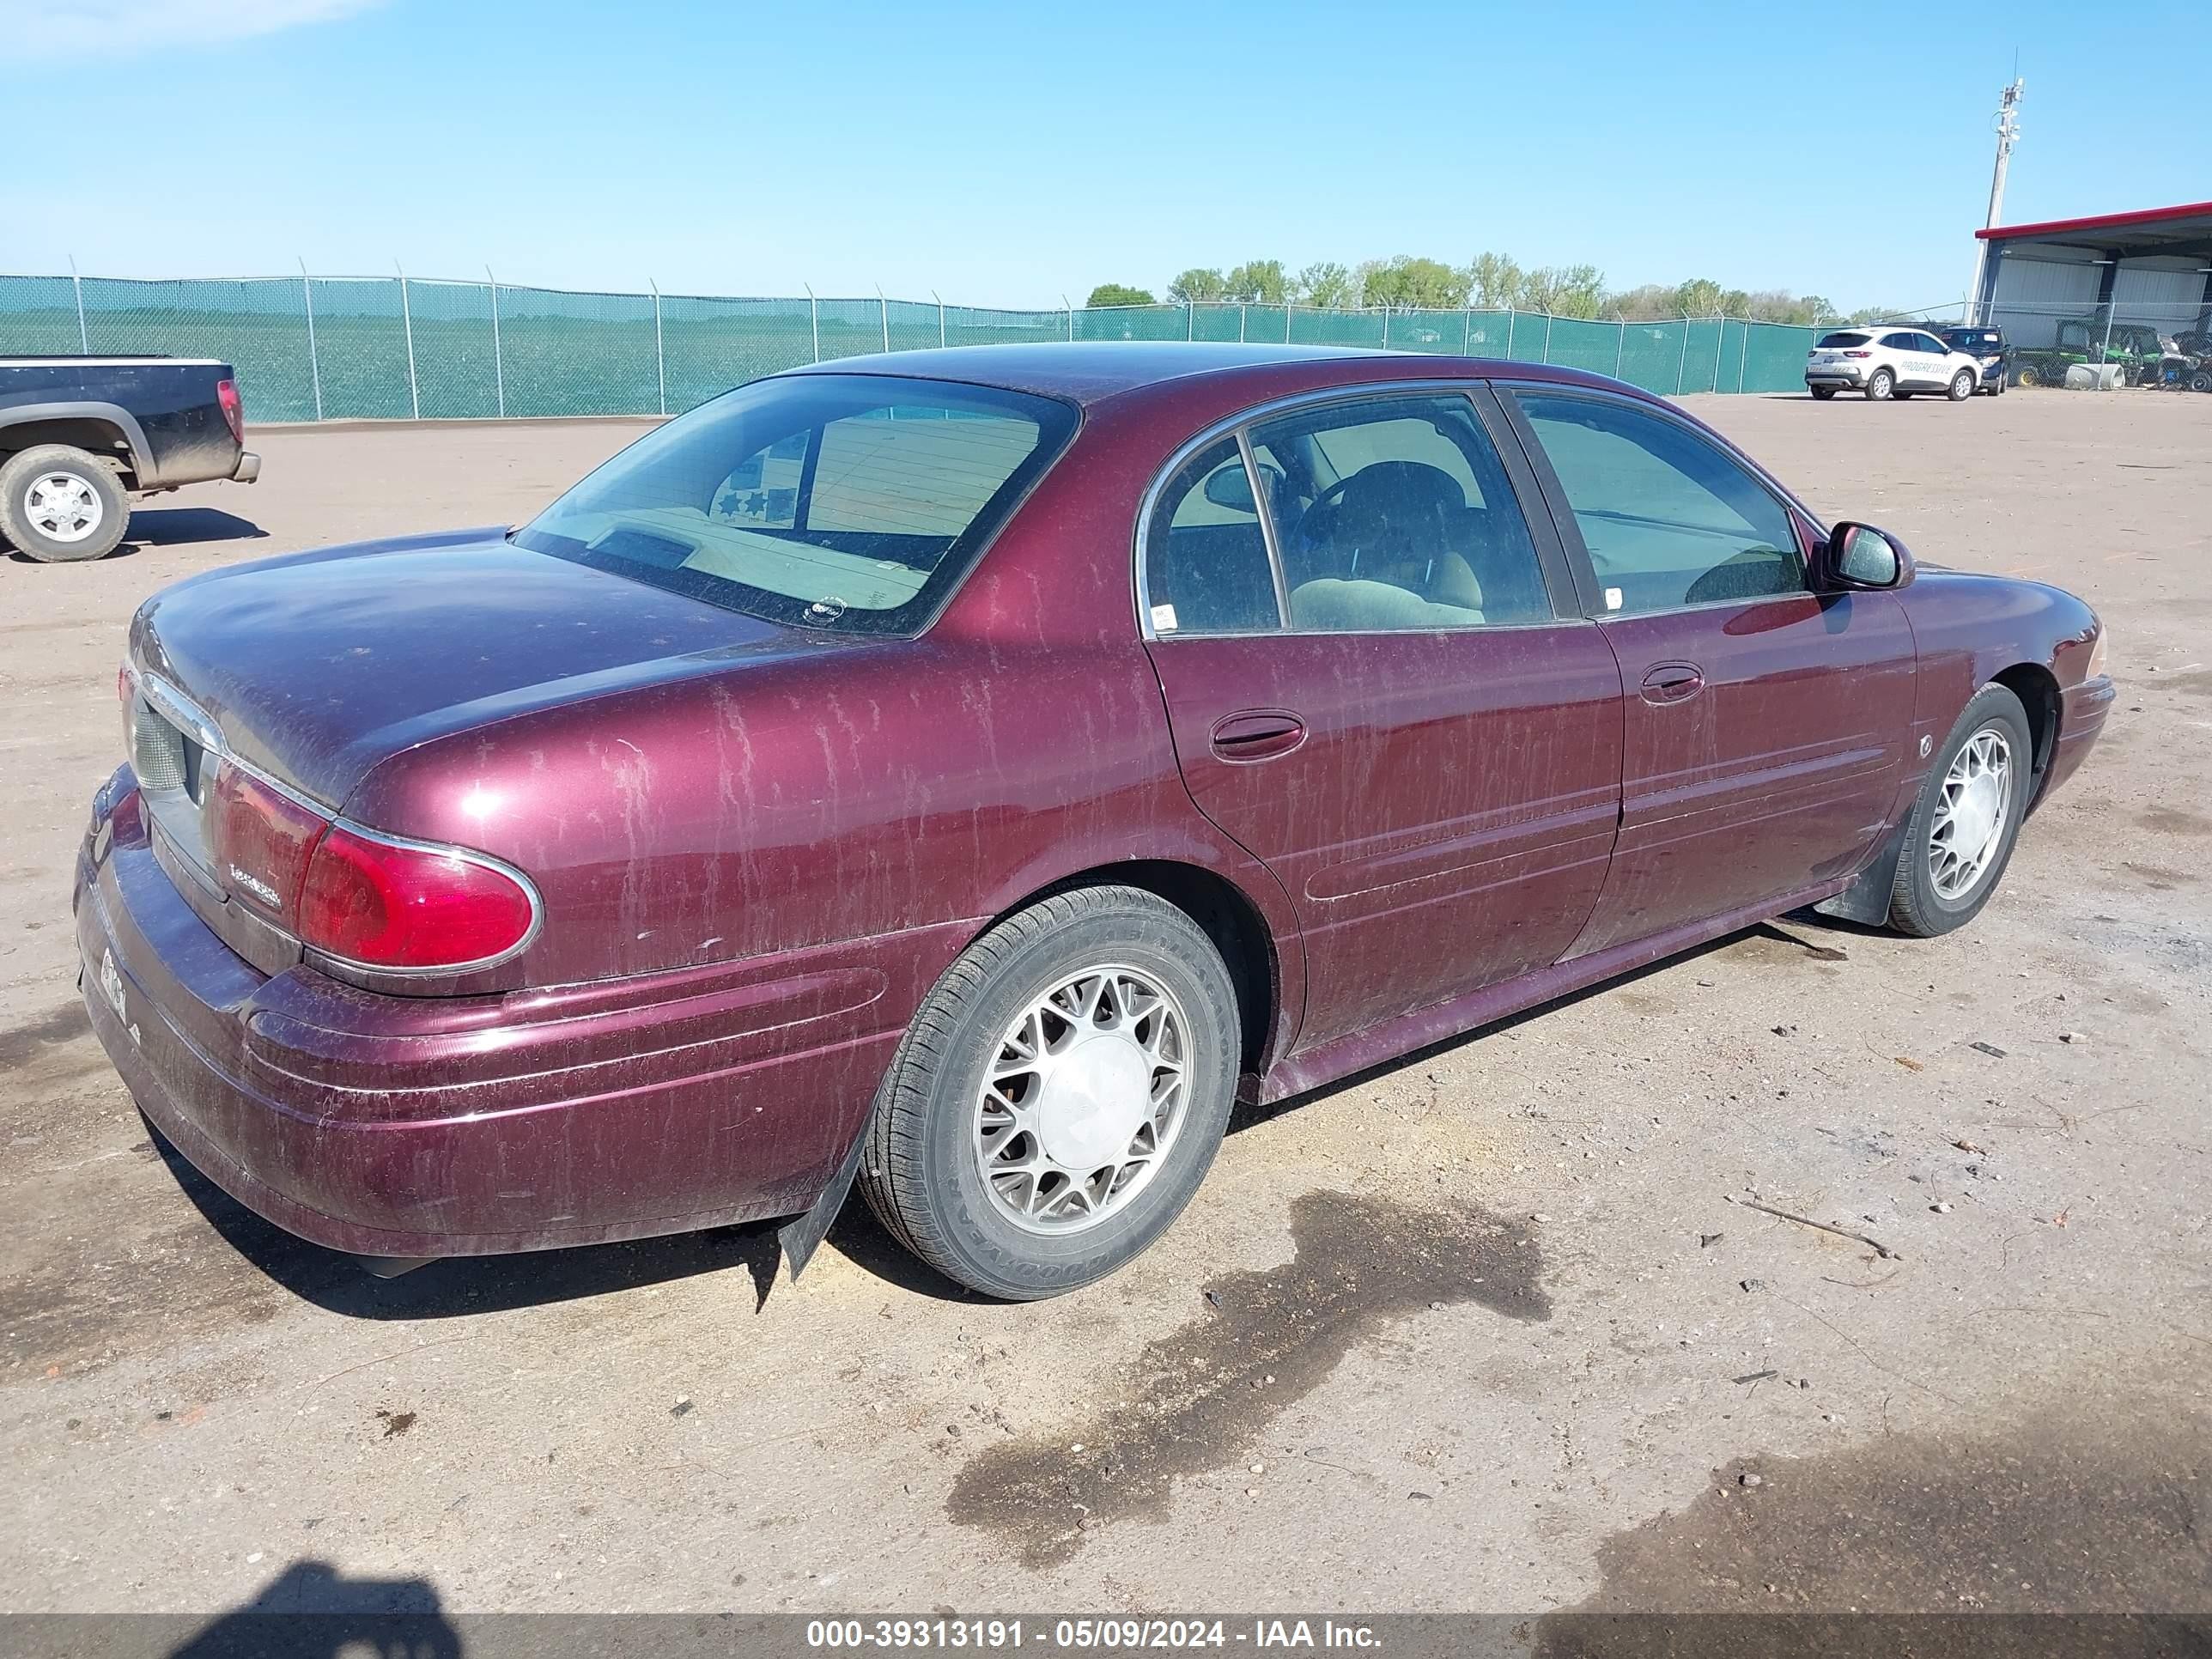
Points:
[(311, 671)]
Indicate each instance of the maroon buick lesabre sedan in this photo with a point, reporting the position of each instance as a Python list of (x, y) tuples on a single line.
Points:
[(972, 772)]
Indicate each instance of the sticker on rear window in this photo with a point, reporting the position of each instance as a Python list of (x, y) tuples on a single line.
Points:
[(1163, 618)]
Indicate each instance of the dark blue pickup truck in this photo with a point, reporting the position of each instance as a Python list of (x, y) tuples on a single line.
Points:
[(79, 436)]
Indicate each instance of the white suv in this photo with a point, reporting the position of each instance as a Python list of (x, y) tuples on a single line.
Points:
[(1887, 361)]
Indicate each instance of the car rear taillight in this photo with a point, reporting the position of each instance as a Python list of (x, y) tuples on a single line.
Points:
[(260, 840), (233, 408), (1858, 354), (380, 903)]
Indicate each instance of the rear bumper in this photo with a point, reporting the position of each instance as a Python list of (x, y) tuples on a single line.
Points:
[(248, 468), (1835, 374), (429, 1127)]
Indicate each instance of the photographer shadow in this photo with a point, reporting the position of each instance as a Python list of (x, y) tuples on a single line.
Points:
[(311, 1611)]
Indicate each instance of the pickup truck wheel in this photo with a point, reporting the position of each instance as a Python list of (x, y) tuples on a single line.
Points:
[(1060, 1095), (59, 504), (1960, 835)]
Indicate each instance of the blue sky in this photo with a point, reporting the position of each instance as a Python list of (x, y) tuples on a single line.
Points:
[(1011, 154)]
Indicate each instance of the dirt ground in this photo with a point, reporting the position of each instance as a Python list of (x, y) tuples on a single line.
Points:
[(1481, 1331)]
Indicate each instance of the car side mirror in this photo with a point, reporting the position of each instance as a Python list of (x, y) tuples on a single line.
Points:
[(1857, 555), (1228, 487)]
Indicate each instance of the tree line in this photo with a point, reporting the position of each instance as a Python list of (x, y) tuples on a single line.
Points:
[(1489, 282)]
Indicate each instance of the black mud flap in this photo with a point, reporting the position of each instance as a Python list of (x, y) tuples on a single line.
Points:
[(1867, 899), (802, 1235)]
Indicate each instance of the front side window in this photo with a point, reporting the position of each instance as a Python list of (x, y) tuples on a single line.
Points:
[(1668, 520), (1395, 514), (843, 501)]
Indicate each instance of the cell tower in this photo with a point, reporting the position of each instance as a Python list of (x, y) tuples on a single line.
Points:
[(2007, 136)]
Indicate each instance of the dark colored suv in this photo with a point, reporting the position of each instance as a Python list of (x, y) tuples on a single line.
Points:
[(1987, 345)]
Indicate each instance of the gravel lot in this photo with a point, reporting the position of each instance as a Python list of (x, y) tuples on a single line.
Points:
[(1484, 1331)]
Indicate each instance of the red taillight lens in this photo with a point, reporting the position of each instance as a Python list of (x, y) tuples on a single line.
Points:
[(233, 408), (261, 842), (385, 904), (1858, 354)]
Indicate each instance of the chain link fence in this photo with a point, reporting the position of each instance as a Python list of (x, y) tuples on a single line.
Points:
[(396, 348)]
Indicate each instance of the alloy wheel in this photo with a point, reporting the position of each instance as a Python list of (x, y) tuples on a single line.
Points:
[(1084, 1099), (63, 507), (1971, 815)]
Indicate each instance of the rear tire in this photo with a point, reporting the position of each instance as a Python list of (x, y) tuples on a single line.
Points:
[(1962, 386), (1881, 385), (989, 1154), (2201, 380), (1822, 393), (60, 505), (1942, 882)]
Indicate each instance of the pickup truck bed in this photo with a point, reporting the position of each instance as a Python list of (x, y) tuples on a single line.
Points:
[(80, 436)]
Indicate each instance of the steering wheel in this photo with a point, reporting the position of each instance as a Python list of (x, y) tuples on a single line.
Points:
[(1328, 498)]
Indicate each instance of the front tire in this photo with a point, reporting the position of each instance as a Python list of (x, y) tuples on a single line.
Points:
[(1060, 1095), (1879, 387), (1962, 386), (1964, 825), (60, 505)]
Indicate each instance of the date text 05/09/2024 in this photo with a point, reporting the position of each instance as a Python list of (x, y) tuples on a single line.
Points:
[(1088, 1635)]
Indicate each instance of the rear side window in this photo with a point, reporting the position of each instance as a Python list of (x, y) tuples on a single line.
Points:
[(1836, 342), (1395, 515), (849, 503), (1206, 569)]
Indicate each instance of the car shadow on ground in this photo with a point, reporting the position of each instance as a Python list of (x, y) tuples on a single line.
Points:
[(179, 526), (341, 1284), (168, 527), (455, 1286)]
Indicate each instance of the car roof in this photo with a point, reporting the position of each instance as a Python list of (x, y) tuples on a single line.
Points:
[(1087, 372)]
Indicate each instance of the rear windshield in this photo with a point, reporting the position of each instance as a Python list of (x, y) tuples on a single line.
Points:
[(1843, 339), (843, 501)]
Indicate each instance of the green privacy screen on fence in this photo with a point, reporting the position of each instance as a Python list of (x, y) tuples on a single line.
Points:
[(343, 348)]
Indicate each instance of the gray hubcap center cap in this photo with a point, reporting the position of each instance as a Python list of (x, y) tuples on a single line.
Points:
[(1975, 814), (1093, 1099)]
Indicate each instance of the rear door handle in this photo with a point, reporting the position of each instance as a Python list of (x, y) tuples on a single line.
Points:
[(1257, 734), (1672, 682)]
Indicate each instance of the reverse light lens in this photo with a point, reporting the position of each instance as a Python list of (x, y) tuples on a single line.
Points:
[(261, 841), (1858, 354), (383, 904)]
